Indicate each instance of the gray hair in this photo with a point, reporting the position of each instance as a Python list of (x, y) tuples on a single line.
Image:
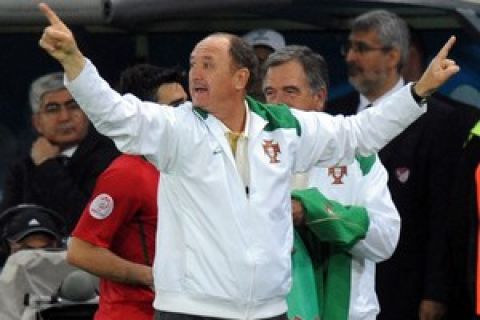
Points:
[(45, 84), (392, 31), (314, 65)]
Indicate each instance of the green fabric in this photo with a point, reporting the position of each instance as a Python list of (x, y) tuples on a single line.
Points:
[(366, 163), (476, 129), (330, 221), (337, 285), (202, 113), (339, 228), (303, 294), (474, 132), (278, 116)]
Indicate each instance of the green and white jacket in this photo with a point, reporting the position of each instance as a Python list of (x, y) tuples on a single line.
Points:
[(220, 251), (352, 224)]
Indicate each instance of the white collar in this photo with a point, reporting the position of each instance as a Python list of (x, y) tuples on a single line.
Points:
[(364, 102), (247, 122), (69, 151)]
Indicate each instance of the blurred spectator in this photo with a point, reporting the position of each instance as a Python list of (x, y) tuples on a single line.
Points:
[(264, 42), (413, 284), (60, 171), (357, 194), (30, 227), (154, 84)]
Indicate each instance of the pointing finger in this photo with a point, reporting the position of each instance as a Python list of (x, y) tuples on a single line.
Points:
[(50, 14), (443, 53)]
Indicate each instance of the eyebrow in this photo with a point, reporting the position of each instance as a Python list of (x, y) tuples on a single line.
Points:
[(201, 57), (291, 88), (176, 102)]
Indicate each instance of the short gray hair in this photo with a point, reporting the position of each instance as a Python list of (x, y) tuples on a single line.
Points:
[(392, 31), (45, 84), (314, 65)]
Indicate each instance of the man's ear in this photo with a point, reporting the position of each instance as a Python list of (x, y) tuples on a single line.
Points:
[(320, 99), (240, 78)]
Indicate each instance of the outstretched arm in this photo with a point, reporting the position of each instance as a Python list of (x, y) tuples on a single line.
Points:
[(59, 42)]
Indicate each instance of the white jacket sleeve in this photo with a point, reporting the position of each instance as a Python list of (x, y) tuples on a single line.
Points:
[(331, 141), (136, 127), (384, 221)]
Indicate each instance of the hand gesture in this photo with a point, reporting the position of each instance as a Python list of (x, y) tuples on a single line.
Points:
[(297, 213), (43, 150), (438, 72), (59, 42)]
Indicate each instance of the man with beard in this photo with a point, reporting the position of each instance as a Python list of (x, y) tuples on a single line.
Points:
[(365, 232), (224, 236), (413, 283)]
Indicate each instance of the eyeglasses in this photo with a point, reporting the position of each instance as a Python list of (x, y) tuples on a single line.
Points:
[(360, 48), (54, 108)]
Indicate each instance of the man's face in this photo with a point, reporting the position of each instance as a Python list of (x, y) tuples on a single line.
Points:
[(287, 83), (34, 241), (368, 62), (262, 53), (60, 120), (172, 94), (212, 79)]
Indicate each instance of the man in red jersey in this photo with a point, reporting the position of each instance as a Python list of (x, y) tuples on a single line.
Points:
[(115, 238)]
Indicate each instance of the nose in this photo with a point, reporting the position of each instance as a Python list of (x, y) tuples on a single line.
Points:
[(350, 55), (195, 72), (63, 114), (272, 98)]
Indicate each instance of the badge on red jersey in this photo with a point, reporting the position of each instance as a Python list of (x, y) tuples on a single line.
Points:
[(101, 207)]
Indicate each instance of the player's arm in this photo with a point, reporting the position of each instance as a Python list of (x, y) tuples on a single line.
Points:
[(105, 264)]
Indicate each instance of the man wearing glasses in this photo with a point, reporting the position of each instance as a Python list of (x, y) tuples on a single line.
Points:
[(65, 159), (412, 284)]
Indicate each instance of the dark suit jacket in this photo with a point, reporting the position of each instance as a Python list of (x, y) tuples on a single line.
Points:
[(65, 189), (419, 162)]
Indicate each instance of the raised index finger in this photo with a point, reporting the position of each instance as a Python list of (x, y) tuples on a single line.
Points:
[(443, 53), (50, 14)]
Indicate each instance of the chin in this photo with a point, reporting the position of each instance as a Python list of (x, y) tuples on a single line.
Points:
[(200, 104)]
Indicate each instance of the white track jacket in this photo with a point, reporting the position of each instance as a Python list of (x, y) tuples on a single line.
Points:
[(221, 252)]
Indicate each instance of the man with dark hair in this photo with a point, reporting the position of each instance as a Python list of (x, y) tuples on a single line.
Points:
[(344, 250), (155, 84), (115, 237), (225, 230), (413, 283)]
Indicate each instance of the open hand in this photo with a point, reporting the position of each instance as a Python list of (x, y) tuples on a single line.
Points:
[(441, 69)]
